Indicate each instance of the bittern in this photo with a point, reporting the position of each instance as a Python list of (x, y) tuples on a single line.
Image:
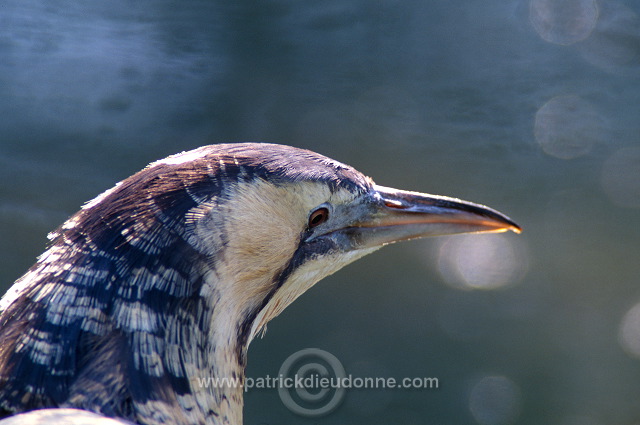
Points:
[(170, 274)]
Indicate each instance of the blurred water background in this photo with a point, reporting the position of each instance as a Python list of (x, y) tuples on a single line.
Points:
[(529, 106)]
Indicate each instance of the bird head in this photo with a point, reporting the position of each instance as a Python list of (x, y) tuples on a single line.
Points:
[(286, 218), (288, 235)]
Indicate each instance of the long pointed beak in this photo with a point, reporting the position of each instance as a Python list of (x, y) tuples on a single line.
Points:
[(401, 215)]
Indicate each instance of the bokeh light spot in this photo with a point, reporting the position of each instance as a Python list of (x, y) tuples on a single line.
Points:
[(615, 43), (495, 400), (629, 335), (563, 22), (621, 177), (567, 127), (481, 261)]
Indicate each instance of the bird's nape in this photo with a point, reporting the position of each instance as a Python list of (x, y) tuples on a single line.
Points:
[(171, 273)]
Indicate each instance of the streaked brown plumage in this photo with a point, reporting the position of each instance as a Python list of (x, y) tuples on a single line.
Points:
[(170, 274)]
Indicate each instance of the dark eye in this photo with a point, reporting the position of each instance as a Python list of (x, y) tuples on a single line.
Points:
[(318, 217)]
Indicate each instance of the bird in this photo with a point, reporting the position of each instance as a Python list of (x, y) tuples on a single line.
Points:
[(170, 275)]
